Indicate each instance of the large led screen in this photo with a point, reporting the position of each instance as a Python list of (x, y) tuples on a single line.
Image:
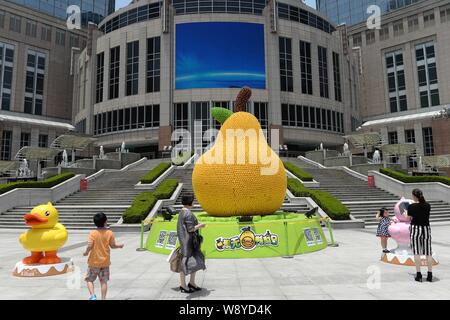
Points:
[(219, 55)]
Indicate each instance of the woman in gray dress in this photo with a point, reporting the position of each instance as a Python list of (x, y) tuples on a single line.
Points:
[(192, 259)]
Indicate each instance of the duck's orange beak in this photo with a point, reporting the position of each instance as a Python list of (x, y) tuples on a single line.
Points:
[(32, 219)]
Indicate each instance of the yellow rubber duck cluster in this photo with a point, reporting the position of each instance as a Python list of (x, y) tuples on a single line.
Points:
[(239, 187), (45, 237)]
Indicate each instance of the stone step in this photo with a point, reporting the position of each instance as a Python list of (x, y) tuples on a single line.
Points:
[(389, 206)]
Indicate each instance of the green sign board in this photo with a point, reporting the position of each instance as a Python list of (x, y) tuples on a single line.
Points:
[(282, 234)]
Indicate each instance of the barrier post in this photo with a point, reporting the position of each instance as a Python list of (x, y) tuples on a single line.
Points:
[(330, 229), (141, 248), (286, 238)]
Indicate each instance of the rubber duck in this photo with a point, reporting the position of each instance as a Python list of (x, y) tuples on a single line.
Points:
[(45, 237)]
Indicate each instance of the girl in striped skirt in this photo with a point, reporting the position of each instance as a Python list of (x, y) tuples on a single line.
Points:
[(420, 232)]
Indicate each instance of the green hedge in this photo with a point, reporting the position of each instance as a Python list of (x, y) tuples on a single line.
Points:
[(413, 179), (145, 201), (153, 174), (47, 183), (332, 206), (299, 173)]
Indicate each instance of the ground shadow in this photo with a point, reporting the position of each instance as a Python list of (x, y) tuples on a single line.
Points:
[(424, 279), (197, 294)]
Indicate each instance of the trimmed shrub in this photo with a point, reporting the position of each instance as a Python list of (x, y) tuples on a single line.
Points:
[(47, 183), (414, 179), (153, 174), (145, 201), (296, 171), (140, 208), (165, 189), (335, 209)]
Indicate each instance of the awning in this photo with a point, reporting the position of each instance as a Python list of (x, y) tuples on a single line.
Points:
[(409, 117), (72, 141), (8, 165), (37, 153), (37, 122)]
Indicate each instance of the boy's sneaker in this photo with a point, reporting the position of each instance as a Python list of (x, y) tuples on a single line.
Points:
[(93, 297)]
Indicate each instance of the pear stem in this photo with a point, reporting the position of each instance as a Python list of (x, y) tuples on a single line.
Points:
[(242, 99)]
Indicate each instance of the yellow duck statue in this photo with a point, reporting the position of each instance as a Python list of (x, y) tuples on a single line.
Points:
[(45, 237)]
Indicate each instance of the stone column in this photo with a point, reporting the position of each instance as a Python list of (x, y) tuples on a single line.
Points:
[(15, 143), (419, 138), (401, 139)]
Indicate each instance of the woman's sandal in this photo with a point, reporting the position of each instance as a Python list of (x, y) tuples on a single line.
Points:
[(183, 290), (194, 288)]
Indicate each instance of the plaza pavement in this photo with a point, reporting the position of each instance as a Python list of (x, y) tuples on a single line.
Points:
[(349, 271)]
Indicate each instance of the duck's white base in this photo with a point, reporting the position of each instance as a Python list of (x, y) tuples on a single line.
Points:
[(43, 270)]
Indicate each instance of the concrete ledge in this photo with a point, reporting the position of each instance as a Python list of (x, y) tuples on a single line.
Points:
[(308, 184), (431, 190), (353, 173), (311, 162), (336, 224), (154, 184), (33, 196), (134, 164), (94, 176)]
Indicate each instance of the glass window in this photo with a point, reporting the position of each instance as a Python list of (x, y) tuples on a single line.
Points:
[(132, 68), (306, 68), (428, 144), (99, 77), (6, 144), (284, 114), (427, 75), (286, 72), (114, 64), (337, 77), (43, 141), (153, 64), (323, 72)]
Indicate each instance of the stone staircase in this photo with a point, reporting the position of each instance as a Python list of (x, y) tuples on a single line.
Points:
[(363, 201), (111, 193), (185, 176)]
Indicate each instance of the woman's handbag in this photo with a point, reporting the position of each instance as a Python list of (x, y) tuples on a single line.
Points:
[(197, 240), (175, 260)]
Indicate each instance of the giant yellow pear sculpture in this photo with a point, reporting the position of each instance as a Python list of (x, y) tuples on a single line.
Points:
[(240, 175)]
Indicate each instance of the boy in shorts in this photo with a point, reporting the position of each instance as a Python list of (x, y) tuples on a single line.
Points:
[(99, 243)]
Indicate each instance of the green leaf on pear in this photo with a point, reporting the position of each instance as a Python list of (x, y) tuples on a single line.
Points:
[(221, 114)]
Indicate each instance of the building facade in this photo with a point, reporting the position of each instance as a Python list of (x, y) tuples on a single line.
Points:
[(353, 12), (35, 77), (91, 10), (406, 76), (138, 82)]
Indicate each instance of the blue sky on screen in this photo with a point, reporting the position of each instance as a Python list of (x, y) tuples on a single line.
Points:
[(219, 55), (123, 3)]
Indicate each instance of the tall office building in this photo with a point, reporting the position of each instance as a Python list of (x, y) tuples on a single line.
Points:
[(91, 10), (36, 51), (405, 69), (156, 66), (352, 12)]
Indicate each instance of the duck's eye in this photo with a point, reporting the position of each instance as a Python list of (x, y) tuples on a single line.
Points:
[(47, 214)]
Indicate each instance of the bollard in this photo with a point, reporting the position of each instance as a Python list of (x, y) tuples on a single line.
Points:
[(141, 248), (330, 229)]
